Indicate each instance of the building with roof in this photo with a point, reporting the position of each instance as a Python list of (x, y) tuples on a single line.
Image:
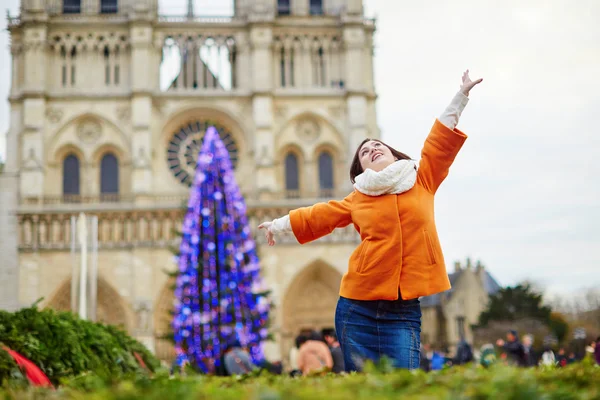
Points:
[(448, 316)]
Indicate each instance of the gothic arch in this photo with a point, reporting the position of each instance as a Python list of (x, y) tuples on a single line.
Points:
[(326, 159), (221, 115), (164, 348), (309, 301), (67, 134), (329, 131), (112, 308), (301, 159), (108, 148), (66, 149)]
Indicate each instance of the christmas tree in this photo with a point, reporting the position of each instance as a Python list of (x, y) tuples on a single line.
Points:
[(219, 295)]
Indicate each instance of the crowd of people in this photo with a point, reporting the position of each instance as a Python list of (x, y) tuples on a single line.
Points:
[(316, 351), (512, 350)]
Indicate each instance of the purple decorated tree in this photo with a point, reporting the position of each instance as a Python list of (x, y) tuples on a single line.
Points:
[(219, 295)]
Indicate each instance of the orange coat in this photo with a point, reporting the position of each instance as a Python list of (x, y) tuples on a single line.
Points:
[(399, 248)]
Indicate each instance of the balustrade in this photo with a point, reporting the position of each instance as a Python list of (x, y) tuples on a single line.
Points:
[(139, 228)]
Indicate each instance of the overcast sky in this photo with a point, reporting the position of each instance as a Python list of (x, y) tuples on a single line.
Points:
[(524, 193)]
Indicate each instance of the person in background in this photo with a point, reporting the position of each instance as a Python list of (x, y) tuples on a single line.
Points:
[(548, 357), (464, 353), (314, 355), (513, 348), (488, 355), (571, 359), (294, 369), (437, 360), (426, 354), (529, 355), (294, 353), (589, 349), (336, 351), (597, 350), (561, 357), (237, 360)]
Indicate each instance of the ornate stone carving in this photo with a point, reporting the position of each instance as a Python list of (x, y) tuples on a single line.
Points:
[(183, 147), (143, 310), (32, 162), (89, 131), (308, 129), (142, 160), (54, 115)]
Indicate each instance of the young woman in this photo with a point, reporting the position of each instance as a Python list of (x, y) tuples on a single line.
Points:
[(399, 258)]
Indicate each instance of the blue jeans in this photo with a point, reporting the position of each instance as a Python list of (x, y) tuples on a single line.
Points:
[(369, 330)]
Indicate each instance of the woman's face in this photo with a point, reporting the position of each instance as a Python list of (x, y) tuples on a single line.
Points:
[(375, 155)]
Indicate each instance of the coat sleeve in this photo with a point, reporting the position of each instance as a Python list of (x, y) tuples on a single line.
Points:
[(441, 147), (311, 223)]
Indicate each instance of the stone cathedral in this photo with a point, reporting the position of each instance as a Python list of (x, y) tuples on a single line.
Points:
[(109, 102)]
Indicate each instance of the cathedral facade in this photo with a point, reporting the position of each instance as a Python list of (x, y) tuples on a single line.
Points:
[(109, 102)]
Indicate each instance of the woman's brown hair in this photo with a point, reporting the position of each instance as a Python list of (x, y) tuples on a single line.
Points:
[(357, 169)]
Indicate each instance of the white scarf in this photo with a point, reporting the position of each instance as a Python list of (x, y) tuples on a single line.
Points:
[(396, 178)]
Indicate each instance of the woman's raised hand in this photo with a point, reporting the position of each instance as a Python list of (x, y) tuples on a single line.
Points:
[(268, 233), (467, 83)]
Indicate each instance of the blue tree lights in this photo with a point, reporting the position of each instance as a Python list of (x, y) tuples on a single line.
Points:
[(219, 294)]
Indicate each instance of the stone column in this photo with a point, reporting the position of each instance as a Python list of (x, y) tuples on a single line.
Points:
[(9, 186), (144, 81), (242, 62), (277, 59), (306, 67), (34, 109), (262, 107)]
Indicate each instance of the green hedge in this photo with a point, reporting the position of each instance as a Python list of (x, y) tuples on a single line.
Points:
[(63, 346), (579, 381)]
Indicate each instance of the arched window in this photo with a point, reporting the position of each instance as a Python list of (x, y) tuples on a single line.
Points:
[(326, 174), (73, 56), (282, 67), (63, 56), (71, 6), (321, 67), (108, 6), (316, 7), (71, 177), (109, 177), (292, 176), (283, 7), (106, 66)]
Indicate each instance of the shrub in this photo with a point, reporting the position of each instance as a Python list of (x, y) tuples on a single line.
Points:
[(577, 381), (63, 346)]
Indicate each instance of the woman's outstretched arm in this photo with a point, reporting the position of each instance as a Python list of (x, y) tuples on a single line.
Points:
[(452, 113), (444, 141), (311, 223)]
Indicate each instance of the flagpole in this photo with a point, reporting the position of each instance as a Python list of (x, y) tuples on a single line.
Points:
[(82, 237)]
